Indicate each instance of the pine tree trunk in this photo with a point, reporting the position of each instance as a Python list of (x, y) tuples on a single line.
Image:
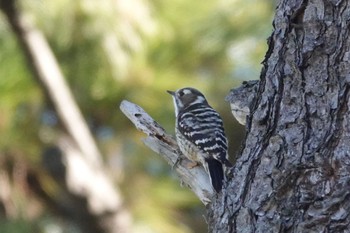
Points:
[(294, 171)]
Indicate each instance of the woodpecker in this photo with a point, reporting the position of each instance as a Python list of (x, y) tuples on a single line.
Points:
[(200, 133)]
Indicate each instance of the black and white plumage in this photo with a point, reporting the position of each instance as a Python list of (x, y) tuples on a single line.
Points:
[(200, 133)]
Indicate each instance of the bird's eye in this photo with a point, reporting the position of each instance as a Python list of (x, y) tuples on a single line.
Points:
[(181, 93)]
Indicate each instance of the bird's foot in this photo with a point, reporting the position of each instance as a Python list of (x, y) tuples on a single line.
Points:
[(190, 164)]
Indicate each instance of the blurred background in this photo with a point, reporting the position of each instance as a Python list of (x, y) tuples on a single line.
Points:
[(108, 51)]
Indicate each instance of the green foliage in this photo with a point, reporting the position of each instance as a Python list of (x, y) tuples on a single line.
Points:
[(18, 226), (108, 53)]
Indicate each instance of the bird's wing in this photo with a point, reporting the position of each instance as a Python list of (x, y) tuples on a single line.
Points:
[(203, 127)]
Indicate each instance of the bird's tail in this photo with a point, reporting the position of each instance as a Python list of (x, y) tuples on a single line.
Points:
[(216, 173), (227, 163)]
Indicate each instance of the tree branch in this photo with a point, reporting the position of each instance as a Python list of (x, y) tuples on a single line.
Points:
[(46, 70), (241, 98), (165, 145), (86, 176)]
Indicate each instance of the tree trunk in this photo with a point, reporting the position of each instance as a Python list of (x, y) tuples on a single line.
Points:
[(294, 171), (293, 174)]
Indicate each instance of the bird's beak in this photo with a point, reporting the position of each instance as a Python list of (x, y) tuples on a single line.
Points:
[(171, 92)]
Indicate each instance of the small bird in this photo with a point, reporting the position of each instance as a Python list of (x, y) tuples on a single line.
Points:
[(200, 133)]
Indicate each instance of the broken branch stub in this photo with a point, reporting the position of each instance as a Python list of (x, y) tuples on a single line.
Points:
[(166, 146)]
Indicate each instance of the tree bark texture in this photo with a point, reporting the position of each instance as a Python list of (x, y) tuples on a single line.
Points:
[(293, 174)]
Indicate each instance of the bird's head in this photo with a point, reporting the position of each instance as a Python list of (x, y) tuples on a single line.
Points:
[(186, 97)]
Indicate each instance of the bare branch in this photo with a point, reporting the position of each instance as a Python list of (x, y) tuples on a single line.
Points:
[(165, 145), (86, 176), (45, 67), (241, 99), (104, 200)]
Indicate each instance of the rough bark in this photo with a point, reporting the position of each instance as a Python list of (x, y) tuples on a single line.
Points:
[(293, 174)]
